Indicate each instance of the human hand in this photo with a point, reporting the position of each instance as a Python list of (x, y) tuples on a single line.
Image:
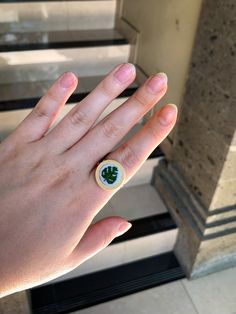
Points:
[(49, 196)]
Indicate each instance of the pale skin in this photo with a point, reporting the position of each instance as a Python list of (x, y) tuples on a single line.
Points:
[(48, 193)]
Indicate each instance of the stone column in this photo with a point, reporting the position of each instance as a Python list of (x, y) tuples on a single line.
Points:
[(198, 184)]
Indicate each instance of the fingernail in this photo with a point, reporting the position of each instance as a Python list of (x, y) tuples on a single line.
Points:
[(157, 82), (123, 227), (67, 80), (167, 114), (125, 72)]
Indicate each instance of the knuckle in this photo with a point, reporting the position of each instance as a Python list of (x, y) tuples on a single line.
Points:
[(110, 129), (41, 109), (61, 175), (129, 158), (52, 96), (106, 239), (79, 117), (40, 112), (153, 131), (140, 99), (107, 89), (59, 180)]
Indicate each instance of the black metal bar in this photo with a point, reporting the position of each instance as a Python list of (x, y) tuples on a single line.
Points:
[(147, 226), (15, 104), (62, 45), (92, 289)]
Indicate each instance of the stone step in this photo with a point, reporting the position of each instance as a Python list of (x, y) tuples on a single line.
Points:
[(22, 41), (16, 100), (83, 292), (34, 16), (143, 207), (23, 1), (125, 252), (39, 65), (23, 95), (140, 259), (86, 291)]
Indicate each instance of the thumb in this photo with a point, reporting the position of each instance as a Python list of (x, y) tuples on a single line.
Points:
[(98, 236)]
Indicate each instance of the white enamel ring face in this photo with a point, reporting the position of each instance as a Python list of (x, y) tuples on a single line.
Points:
[(109, 174)]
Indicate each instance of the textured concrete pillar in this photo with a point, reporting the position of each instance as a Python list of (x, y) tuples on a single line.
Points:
[(199, 183)]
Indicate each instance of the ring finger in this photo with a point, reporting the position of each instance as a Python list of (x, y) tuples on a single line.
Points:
[(133, 153)]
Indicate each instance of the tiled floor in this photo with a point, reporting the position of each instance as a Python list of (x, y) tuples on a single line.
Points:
[(213, 294)]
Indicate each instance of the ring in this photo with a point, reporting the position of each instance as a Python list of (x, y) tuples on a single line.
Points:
[(109, 174)]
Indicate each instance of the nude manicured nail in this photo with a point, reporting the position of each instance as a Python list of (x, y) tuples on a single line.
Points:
[(157, 82), (123, 227), (167, 114), (67, 80), (125, 72)]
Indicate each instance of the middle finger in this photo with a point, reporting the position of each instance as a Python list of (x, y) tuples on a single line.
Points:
[(81, 118), (107, 133)]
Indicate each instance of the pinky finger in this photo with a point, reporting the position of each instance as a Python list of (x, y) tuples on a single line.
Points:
[(134, 152)]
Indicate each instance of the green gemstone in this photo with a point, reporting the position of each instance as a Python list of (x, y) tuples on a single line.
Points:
[(110, 174)]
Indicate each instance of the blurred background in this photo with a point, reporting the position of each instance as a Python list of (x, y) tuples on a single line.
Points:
[(182, 202)]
